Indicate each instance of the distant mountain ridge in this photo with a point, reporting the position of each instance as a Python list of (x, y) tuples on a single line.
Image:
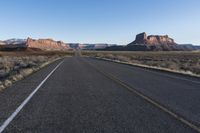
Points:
[(142, 38), (143, 42), (42, 44), (87, 46), (47, 44), (13, 44), (13, 41)]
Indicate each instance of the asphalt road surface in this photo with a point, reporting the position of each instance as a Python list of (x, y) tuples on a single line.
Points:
[(85, 95)]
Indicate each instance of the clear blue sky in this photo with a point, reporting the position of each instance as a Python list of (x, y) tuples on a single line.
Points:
[(99, 21)]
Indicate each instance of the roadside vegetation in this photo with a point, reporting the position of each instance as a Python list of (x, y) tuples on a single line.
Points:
[(15, 66), (183, 62)]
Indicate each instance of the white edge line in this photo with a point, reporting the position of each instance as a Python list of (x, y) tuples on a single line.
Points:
[(148, 99), (11, 117), (162, 74)]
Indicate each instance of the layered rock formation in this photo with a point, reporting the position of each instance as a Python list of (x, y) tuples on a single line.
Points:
[(46, 44), (142, 43), (42, 44), (153, 43), (142, 38)]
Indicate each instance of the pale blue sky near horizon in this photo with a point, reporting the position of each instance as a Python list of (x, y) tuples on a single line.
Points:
[(100, 21)]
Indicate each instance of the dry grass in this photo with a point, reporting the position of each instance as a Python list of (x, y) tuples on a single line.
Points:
[(178, 61), (15, 66), (35, 52)]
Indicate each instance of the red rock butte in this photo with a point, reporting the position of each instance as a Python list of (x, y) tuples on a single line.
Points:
[(142, 38), (46, 44)]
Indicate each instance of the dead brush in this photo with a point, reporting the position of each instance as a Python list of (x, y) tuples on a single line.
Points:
[(176, 61)]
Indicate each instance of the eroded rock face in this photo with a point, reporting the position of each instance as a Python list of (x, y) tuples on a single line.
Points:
[(142, 38), (160, 40), (46, 44)]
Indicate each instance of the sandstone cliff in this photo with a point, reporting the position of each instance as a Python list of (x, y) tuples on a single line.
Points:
[(153, 43), (142, 38), (46, 44)]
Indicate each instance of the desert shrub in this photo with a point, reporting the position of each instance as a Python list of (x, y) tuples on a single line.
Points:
[(184, 61), (123, 58), (110, 56), (10, 65)]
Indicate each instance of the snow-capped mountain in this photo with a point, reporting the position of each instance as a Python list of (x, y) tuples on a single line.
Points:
[(12, 44), (2, 43), (15, 41)]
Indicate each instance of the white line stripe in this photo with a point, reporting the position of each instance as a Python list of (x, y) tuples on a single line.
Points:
[(148, 99), (170, 76), (10, 118), (161, 74)]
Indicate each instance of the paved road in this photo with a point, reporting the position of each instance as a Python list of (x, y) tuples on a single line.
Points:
[(78, 97), (179, 93)]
